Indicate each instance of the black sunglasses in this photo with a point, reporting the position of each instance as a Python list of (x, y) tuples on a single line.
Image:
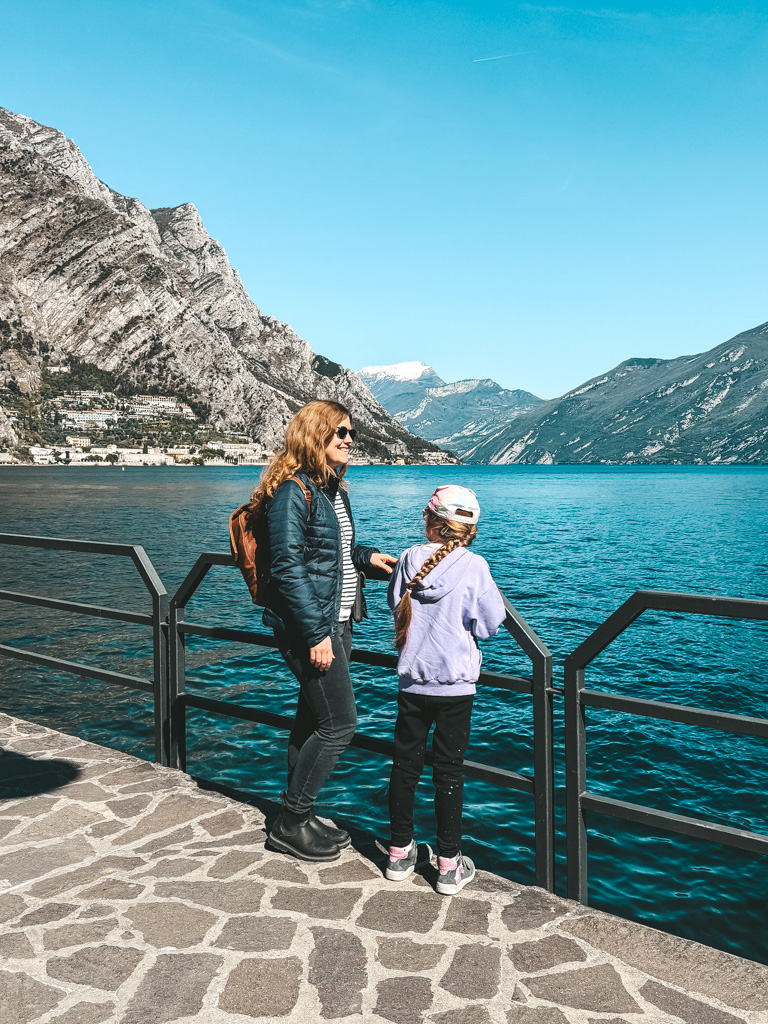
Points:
[(341, 433)]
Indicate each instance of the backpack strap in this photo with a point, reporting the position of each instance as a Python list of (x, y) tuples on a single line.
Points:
[(307, 494)]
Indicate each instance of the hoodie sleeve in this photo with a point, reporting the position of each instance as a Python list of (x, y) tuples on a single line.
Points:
[(397, 583), (487, 611)]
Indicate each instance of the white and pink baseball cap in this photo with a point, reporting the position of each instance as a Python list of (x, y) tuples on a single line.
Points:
[(455, 503)]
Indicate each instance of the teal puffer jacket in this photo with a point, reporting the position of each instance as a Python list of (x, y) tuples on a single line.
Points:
[(304, 593)]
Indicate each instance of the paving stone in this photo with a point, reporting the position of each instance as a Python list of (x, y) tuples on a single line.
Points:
[(85, 1013), (87, 791), (105, 828), (403, 1000), (78, 934), (22, 999), (348, 871), (470, 917), (8, 825), (167, 843), (130, 773), (104, 967), (475, 972), (681, 962), (46, 914), (484, 881), (606, 1020), (397, 954), (251, 838), (172, 867), (322, 904), (282, 869), (463, 1015), (101, 868), (254, 933), (223, 824), (240, 899), (262, 988), (692, 1011), (167, 923), (175, 809), (539, 1015), (175, 987), (531, 908), (96, 910), (400, 912), (157, 785), (588, 988), (24, 865), (337, 969), (113, 889), (232, 862), (62, 822), (11, 906), (15, 947), (547, 952), (29, 806), (129, 807)]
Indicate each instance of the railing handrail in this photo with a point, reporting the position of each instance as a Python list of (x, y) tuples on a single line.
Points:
[(158, 620), (578, 798)]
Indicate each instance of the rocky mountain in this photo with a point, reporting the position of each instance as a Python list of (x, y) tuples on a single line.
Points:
[(90, 273), (707, 408), (455, 416)]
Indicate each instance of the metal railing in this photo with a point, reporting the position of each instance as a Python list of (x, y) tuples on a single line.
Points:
[(579, 800), (539, 687), (157, 619)]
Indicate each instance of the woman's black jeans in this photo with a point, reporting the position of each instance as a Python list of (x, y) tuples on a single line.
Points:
[(326, 717), (452, 717)]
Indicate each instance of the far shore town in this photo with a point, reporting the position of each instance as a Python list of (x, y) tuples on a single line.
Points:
[(89, 427)]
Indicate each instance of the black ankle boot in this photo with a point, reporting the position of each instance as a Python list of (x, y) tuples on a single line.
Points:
[(292, 833), (335, 835)]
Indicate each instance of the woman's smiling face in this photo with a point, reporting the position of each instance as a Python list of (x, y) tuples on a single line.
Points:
[(337, 451)]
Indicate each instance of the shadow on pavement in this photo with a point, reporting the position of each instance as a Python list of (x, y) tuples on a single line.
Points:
[(24, 776)]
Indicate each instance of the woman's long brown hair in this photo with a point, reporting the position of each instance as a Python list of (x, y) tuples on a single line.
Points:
[(453, 535), (306, 437)]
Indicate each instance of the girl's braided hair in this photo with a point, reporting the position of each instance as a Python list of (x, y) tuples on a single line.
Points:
[(453, 535)]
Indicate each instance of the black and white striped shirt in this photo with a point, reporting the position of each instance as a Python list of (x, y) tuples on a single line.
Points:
[(349, 584)]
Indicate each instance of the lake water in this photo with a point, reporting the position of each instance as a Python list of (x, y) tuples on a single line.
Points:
[(566, 544)]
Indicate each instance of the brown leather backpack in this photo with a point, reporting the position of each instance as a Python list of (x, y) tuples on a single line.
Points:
[(245, 525)]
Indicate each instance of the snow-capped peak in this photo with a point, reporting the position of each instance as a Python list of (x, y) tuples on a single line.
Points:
[(411, 371)]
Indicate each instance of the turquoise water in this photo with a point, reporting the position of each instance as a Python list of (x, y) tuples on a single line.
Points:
[(566, 544)]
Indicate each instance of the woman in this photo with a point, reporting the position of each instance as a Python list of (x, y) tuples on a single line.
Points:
[(302, 502)]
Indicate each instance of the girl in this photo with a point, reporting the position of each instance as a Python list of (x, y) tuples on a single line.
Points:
[(444, 600), (307, 522)]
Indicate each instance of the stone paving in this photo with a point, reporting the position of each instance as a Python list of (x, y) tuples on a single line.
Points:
[(129, 894)]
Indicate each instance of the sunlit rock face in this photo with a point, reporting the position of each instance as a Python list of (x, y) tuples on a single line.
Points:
[(707, 408), (88, 272)]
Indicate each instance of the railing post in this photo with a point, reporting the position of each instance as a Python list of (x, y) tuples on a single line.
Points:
[(575, 783), (543, 772), (177, 684), (160, 677)]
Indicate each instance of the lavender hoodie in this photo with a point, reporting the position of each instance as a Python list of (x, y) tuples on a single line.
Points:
[(453, 605)]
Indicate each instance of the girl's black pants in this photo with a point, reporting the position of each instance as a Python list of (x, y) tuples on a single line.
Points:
[(416, 714)]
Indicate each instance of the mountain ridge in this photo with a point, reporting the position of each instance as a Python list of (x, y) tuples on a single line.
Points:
[(454, 415)]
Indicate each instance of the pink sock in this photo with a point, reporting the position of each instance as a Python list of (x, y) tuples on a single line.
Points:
[(399, 852), (446, 864)]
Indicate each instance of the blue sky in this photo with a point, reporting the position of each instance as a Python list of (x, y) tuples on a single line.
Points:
[(394, 194)]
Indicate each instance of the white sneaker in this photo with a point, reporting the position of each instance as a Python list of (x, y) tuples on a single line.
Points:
[(454, 874)]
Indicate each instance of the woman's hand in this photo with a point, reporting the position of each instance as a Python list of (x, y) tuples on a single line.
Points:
[(381, 561), (321, 655)]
